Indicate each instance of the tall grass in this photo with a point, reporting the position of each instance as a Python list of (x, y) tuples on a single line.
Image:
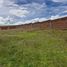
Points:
[(46, 48)]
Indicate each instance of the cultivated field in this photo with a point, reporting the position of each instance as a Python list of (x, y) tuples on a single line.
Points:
[(43, 48)]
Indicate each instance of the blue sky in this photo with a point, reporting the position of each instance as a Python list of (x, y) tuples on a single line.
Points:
[(29, 11)]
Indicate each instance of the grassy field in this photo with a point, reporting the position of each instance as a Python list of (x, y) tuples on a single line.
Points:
[(44, 48)]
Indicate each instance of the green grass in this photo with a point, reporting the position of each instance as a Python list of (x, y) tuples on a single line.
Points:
[(46, 48)]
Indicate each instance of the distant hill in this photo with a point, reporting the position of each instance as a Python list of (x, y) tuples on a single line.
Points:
[(60, 23)]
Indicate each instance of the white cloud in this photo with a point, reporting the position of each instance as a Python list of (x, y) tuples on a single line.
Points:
[(11, 11), (38, 6), (32, 21), (39, 20), (57, 17), (1, 21), (43, 19), (60, 0), (11, 8), (6, 20), (54, 17), (18, 12), (65, 11), (1, 3)]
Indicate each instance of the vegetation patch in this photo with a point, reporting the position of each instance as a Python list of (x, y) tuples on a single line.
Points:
[(43, 48)]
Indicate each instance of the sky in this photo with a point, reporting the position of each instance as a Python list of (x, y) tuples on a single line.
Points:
[(15, 12)]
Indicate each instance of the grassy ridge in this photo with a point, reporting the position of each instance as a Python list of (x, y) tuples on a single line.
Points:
[(47, 48)]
